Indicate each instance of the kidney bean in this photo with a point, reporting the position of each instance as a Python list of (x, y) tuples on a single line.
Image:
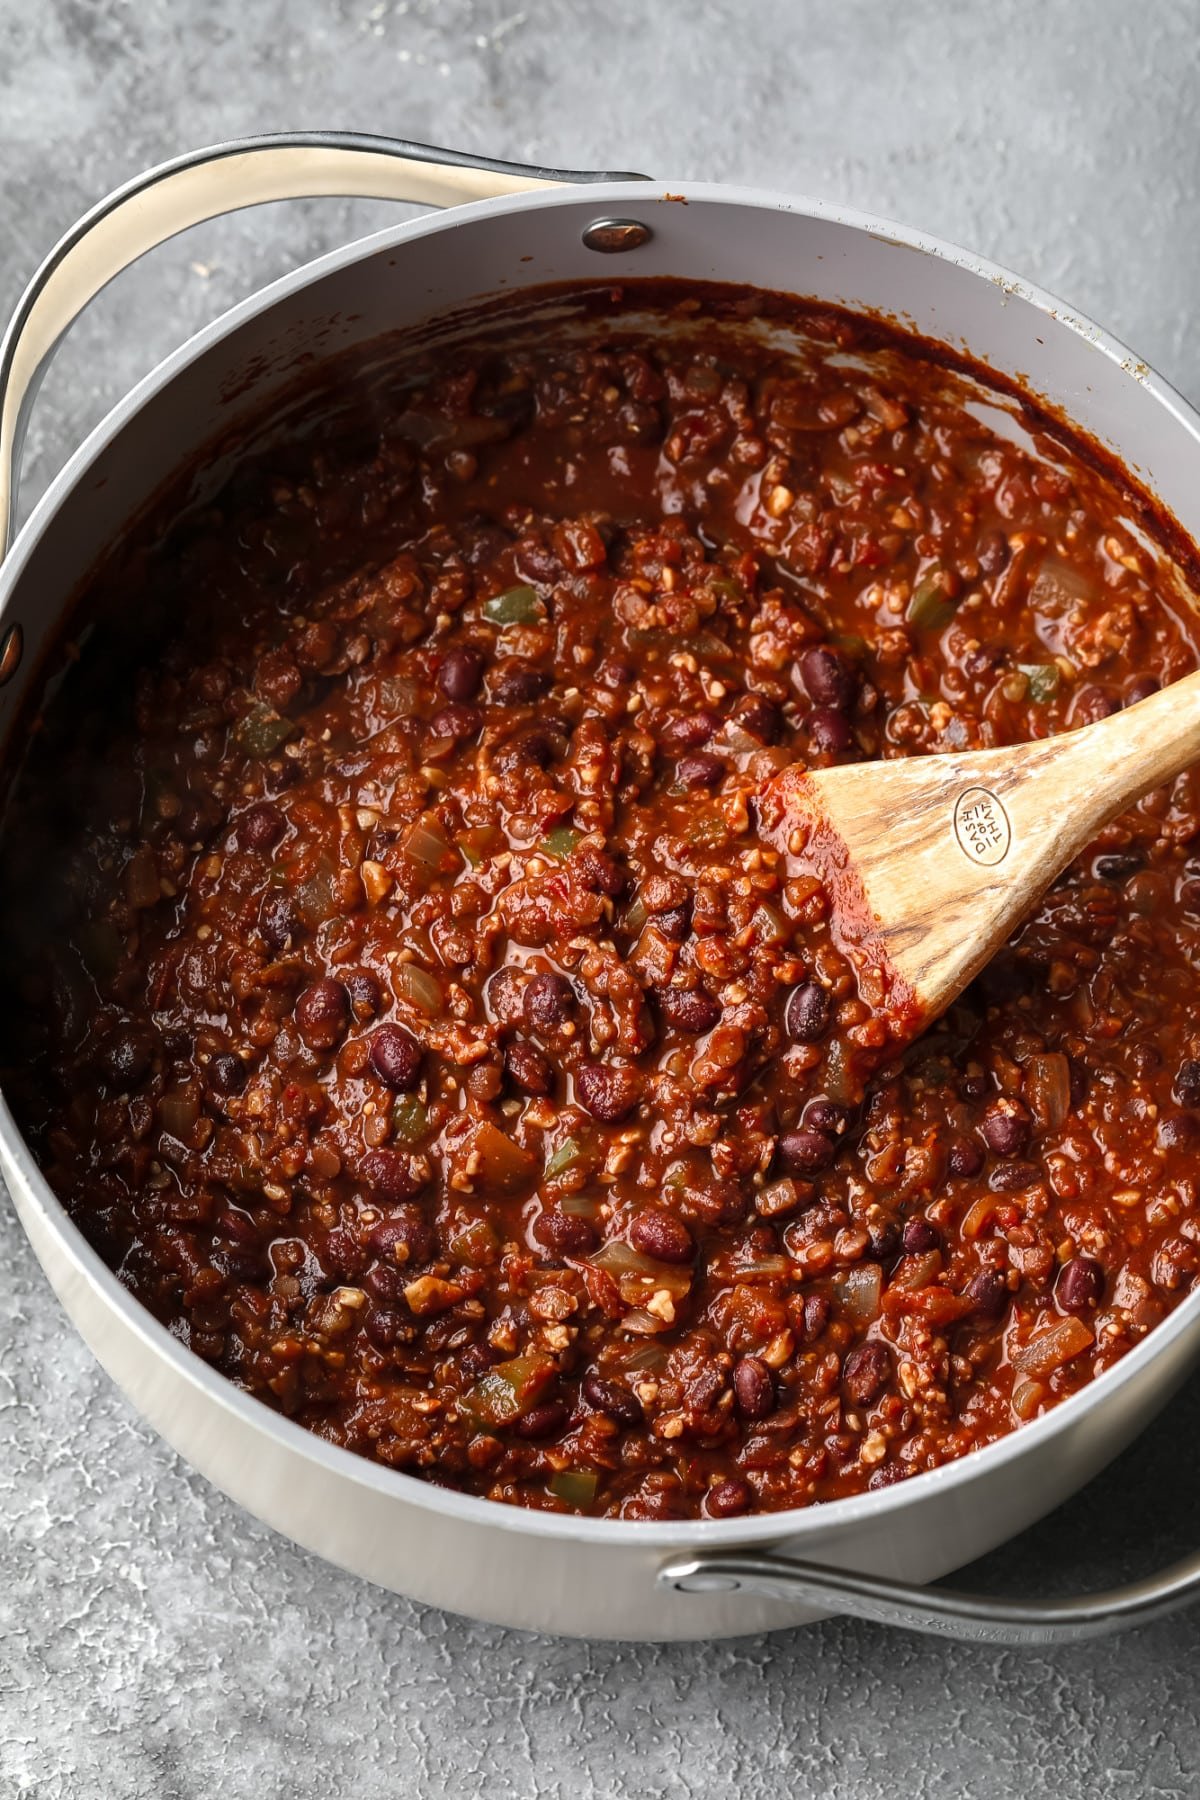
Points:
[(806, 1152), (261, 827), (1013, 1177), (1187, 1083), (390, 1174), (988, 1293), (385, 1283), (1116, 868), (518, 684), (866, 1371), (703, 770), (548, 1002), (753, 1388), (806, 1015), (887, 1475), (405, 1236), (565, 1234), (323, 1014), (689, 1009), (613, 1399), (396, 1057), (920, 1237), (1006, 1125), (1141, 688), (661, 1235), (461, 672), (547, 1420), (964, 1158), (456, 721), (761, 717), (829, 679), (829, 730), (728, 1499), (1080, 1286), (688, 731), (609, 1093), (528, 1070), (227, 1074)]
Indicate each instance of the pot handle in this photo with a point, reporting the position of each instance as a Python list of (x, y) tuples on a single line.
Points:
[(168, 199), (937, 1611)]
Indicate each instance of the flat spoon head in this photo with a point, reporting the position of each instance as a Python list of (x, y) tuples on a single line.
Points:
[(930, 863)]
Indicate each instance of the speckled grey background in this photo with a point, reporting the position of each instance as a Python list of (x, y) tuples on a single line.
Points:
[(156, 1643)]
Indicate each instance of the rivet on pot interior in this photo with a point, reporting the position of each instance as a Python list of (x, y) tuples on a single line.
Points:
[(611, 236), (11, 646)]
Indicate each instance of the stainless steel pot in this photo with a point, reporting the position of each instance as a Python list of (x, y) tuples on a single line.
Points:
[(521, 228)]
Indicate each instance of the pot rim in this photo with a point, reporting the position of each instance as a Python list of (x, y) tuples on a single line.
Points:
[(821, 1519)]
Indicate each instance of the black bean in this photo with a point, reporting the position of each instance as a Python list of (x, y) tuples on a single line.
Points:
[(829, 730), (456, 721), (278, 920), (261, 827), (547, 1420), (661, 1235), (993, 552), (323, 1014), (988, 1293), (366, 996), (461, 672), (884, 1240), (806, 1015), (817, 1312), (549, 1001), (391, 1175), (688, 731), (607, 1092), (1080, 1286), (689, 1009), (227, 1073), (476, 1358), (529, 1071), (866, 1371), (823, 1114), (1187, 1083), (753, 1388), (125, 1057), (383, 1326), (703, 770), (518, 684), (395, 1056), (806, 1152), (1177, 1131), (674, 923), (1006, 1126), (920, 1237), (404, 1237), (829, 679), (613, 1399), (1116, 868), (759, 716), (565, 1234), (964, 1158), (1141, 689)]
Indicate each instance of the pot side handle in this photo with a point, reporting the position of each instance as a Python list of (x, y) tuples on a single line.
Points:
[(937, 1611), (168, 199)]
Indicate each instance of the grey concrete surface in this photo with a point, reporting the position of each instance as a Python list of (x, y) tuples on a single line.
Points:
[(156, 1644)]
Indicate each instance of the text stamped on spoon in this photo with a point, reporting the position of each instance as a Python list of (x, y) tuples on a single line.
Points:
[(981, 826)]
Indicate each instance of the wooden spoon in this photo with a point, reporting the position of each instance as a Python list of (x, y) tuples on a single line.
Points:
[(931, 862)]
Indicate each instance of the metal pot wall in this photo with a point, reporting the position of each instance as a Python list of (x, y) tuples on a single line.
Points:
[(519, 230)]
